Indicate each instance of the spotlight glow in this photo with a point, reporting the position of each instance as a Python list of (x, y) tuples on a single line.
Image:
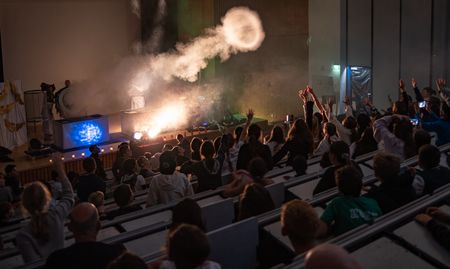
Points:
[(138, 135), (170, 116)]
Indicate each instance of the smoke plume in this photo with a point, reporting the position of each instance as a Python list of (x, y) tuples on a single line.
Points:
[(154, 76)]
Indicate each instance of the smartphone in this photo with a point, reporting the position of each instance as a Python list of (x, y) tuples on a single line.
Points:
[(414, 122), (422, 104)]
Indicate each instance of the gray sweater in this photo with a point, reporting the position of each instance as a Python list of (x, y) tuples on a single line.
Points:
[(32, 249)]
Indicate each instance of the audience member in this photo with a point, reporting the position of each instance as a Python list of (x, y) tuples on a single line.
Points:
[(123, 154), (144, 167), (196, 143), (188, 212), (329, 129), (436, 221), (12, 180), (400, 141), (89, 182), (421, 137), (179, 152), (188, 248), (45, 231), (123, 196), (395, 189), (131, 177), (254, 201), (6, 214), (86, 252), (299, 142), (184, 144), (254, 148), (128, 261), (170, 184), (300, 165), (345, 130), (98, 199), (300, 223), (364, 145), (209, 170), (432, 175), (255, 174), (154, 160), (5, 191), (95, 154), (350, 210), (339, 157), (330, 256), (276, 140)]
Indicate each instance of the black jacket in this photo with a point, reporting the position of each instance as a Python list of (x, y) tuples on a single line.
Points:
[(393, 193), (247, 152)]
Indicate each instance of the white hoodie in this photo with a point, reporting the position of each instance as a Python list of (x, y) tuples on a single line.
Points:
[(166, 188)]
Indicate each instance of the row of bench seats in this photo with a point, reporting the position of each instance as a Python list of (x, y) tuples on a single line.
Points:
[(142, 230)]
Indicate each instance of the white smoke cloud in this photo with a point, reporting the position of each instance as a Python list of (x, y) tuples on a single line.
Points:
[(153, 75)]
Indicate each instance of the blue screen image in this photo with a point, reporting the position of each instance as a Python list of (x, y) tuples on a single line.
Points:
[(87, 133)]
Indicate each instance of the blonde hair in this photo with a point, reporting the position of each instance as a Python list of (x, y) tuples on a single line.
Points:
[(96, 198), (36, 200), (300, 221)]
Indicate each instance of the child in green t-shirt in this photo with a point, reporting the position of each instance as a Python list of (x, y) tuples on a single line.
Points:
[(349, 210)]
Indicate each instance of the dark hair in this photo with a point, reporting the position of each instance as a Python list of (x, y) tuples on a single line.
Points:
[(300, 165), (207, 149), (188, 212), (180, 137), (237, 133), (363, 122), (89, 165), (277, 135), (167, 163), (366, 143), (403, 130), (129, 166), (429, 157), (341, 150), (349, 180), (188, 247), (300, 131), (435, 104), (330, 130), (254, 201), (386, 166), (128, 261), (123, 195), (257, 168), (254, 132), (92, 148), (9, 168), (196, 143), (421, 137), (350, 123)]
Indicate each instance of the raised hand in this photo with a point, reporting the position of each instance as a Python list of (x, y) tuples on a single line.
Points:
[(347, 101), (302, 94), (414, 83), (440, 84), (250, 115), (401, 84)]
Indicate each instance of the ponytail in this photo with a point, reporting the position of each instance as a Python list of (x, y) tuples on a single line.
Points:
[(39, 226)]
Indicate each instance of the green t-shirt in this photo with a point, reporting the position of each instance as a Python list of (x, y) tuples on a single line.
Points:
[(349, 212)]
